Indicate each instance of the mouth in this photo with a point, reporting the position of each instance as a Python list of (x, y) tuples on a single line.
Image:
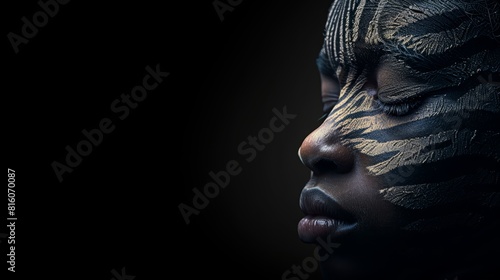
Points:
[(325, 218)]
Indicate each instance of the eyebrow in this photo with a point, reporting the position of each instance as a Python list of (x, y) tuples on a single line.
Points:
[(365, 55), (434, 61)]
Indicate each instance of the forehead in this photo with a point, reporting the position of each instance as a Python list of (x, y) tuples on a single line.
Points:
[(420, 27)]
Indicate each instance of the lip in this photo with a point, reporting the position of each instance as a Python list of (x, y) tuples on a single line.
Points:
[(325, 218)]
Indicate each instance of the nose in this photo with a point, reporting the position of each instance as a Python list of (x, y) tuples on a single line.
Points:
[(323, 152)]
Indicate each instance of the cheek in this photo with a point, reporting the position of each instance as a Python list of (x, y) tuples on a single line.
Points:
[(397, 146), (430, 157), (401, 151), (441, 156)]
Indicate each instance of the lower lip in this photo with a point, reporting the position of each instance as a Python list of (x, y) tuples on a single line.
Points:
[(311, 228)]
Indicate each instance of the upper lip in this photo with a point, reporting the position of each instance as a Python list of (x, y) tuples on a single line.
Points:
[(314, 202)]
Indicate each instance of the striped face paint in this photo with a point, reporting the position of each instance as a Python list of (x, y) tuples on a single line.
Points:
[(410, 141)]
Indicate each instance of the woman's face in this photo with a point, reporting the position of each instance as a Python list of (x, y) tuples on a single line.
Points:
[(410, 143)]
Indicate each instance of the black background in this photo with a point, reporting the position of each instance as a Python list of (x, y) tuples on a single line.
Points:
[(119, 207)]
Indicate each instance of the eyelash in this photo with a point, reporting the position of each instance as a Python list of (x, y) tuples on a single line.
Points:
[(395, 109), (398, 109), (323, 117), (329, 104), (326, 112)]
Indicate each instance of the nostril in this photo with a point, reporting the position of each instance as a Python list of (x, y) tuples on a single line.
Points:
[(322, 151), (324, 166)]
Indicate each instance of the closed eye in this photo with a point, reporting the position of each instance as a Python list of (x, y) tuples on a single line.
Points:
[(330, 91), (330, 85), (400, 108), (383, 79)]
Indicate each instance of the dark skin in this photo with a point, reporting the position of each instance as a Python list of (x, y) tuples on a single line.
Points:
[(406, 164)]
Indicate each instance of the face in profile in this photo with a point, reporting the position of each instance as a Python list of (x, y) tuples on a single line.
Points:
[(405, 167)]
